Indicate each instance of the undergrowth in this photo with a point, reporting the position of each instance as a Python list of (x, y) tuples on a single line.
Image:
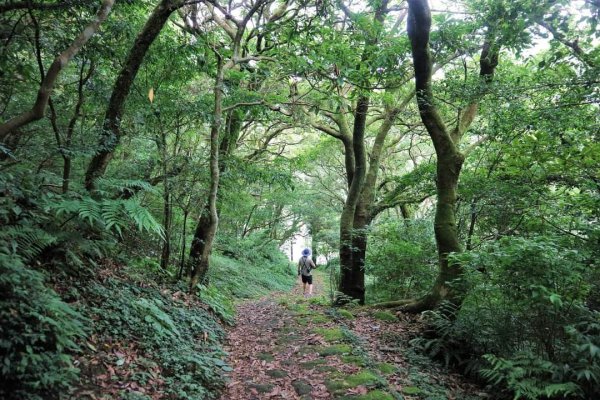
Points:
[(524, 327), (242, 279), (169, 328)]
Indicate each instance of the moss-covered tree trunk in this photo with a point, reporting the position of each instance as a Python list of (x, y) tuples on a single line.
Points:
[(233, 126), (449, 159), (353, 239), (205, 233), (167, 213), (364, 212), (352, 280)]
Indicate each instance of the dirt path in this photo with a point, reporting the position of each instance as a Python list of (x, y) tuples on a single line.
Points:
[(289, 347)]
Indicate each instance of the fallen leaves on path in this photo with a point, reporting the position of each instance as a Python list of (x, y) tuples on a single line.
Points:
[(274, 352)]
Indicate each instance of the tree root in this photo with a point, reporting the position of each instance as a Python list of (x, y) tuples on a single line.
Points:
[(392, 304)]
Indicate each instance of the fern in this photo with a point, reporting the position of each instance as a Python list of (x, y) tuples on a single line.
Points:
[(27, 241), (142, 217), (528, 376), (89, 211), (113, 215)]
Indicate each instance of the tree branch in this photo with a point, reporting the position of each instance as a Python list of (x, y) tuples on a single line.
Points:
[(47, 85)]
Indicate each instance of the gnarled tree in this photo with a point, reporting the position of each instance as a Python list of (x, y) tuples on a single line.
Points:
[(446, 144)]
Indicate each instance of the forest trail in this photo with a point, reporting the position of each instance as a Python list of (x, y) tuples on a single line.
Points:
[(288, 347)]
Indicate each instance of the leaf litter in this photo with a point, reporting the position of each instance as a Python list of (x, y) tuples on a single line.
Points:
[(275, 353)]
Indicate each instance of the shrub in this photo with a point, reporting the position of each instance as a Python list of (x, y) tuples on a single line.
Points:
[(184, 339), (524, 325), (401, 260), (37, 333)]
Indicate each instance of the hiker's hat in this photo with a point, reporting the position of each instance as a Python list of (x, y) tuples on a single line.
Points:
[(306, 252)]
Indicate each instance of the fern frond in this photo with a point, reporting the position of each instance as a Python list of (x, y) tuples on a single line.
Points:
[(113, 215), (29, 242), (89, 211), (142, 217)]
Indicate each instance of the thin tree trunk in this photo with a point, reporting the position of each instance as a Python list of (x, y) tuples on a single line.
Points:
[(111, 128), (66, 150), (226, 147), (472, 225), (183, 241), (364, 212), (166, 250), (47, 85), (202, 247)]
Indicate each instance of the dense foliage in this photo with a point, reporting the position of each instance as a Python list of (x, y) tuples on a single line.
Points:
[(157, 156)]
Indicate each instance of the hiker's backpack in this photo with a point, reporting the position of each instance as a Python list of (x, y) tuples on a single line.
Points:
[(306, 268)]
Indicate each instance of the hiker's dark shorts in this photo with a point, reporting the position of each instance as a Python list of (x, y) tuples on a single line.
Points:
[(307, 279)]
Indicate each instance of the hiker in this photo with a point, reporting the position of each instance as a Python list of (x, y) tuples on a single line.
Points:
[(305, 266)]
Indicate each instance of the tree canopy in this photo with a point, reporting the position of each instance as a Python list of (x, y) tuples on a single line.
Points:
[(438, 157)]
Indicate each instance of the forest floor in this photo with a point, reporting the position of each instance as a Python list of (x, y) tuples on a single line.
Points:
[(286, 346)]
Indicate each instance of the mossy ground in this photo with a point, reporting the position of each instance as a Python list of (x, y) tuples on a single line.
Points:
[(330, 334), (335, 349), (304, 348), (385, 316), (345, 314)]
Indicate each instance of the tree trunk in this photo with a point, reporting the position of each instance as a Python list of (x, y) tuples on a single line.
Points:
[(473, 220), (353, 242), (167, 213), (226, 147), (363, 214), (205, 233), (166, 250), (111, 128), (66, 151), (359, 246), (352, 282), (183, 241), (448, 284)]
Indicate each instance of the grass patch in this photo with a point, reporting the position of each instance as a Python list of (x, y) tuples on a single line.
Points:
[(330, 334), (386, 368), (345, 314), (411, 390), (363, 378), (336, 349), (319, 300), (385, 316), (319, 319), (299, 309), (354, 360)]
